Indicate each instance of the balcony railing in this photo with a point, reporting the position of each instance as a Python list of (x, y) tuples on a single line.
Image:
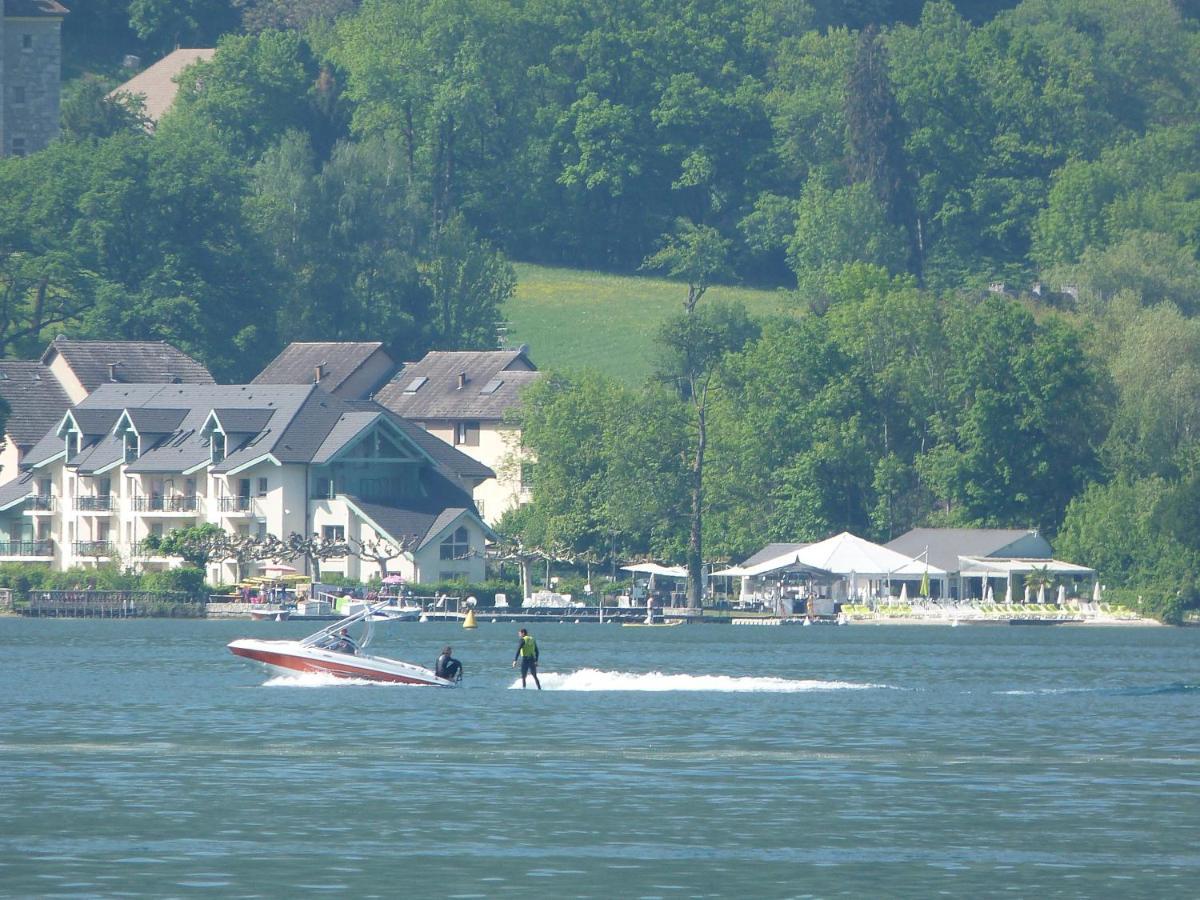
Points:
[(94, 548), (27, 548), (41, 503), (236, 504), (96, 504), (159, 503)]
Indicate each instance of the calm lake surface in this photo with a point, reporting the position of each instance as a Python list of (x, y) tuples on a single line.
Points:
[(141, 759)]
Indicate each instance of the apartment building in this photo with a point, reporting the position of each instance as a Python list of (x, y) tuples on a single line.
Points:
[(134, 460)]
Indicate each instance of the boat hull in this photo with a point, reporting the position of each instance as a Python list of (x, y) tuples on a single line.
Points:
[(289, 657)]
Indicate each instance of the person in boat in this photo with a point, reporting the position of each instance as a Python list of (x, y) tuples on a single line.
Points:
[(447, 666), (527, 653), (343, 643)]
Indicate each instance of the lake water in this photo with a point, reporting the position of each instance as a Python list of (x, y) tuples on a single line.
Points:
[(141, 759)]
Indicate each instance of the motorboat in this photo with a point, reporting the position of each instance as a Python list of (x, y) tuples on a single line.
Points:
[(327, 652), (270, 615), (649, 622), (386, 610)]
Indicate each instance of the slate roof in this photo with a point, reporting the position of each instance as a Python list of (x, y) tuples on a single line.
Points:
[(137, 362), (36, 401), (17, 490), (95, 421), (28, 9), (423, 518), (243, 421), (156, 421), (494, 380), (296, 424), (156, 84), (946, 545), (297, 363)]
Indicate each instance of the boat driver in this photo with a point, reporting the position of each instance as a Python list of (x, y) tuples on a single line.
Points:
[(343, 643), (447, 666)]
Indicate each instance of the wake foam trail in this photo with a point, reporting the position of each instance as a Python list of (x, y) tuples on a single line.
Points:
[(599, 680), (313, 680), (1175, 687)]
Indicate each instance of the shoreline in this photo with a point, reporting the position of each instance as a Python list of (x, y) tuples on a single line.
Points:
[(964, 623)]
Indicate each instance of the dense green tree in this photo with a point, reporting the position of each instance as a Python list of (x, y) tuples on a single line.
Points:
[(875, 135), (88, 112)]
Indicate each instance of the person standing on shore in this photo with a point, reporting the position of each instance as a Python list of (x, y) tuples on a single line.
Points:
[(527, 653)]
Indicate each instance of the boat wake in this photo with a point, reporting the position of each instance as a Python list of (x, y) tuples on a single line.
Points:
[(1174, 687), (315, 680), (599, 680)]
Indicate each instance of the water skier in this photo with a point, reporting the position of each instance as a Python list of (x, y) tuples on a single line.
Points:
[(527, 653)]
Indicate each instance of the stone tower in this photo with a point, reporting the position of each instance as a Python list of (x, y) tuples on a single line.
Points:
[(30, 74)]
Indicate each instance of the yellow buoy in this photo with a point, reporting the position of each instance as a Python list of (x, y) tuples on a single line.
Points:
[(469, 621)]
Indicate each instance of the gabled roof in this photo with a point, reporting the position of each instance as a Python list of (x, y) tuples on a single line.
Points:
[(291, 424), (243, 421), (92, 421), (422, 519), (298, 362), (472, 384), (36, 401), (33, 9), (155, 421), (946, 545), (346, 429), (133, 362), (156, 84)]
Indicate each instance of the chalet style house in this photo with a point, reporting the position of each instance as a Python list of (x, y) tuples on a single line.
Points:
[(466, 398), (39, 392), (134, 460), (30, 74)]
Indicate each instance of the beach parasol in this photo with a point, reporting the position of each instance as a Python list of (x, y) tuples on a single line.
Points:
[(925, 584), (281, 568), (1028, 592), (1042, 593), (393, 579), (1008, 592), (904, 593), (1062, 595), (1096, 591)]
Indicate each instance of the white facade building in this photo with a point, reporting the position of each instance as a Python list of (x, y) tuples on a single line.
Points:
[(134, 461), (467, 398)]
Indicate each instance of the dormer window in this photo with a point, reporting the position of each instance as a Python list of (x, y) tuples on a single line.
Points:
[(74, 443), (218, 446), (133, 446)]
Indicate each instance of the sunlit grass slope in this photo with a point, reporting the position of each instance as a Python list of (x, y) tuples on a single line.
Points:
[(575, 319)]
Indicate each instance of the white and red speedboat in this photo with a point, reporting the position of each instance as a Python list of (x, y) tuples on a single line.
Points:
[(328, 652)]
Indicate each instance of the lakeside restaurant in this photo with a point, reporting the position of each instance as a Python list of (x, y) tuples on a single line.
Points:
[(952, 564)]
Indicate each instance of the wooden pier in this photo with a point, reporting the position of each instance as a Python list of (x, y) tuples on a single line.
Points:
[(112, 605)]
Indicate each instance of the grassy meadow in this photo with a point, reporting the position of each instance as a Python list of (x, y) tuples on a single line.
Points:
[(575, 319)]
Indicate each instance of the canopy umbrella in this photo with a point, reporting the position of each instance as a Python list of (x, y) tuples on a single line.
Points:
[(989, 597), (1062, 595), (1028, 592), (1008, 593), (904, 593), (393, 579), (653, 568), (1096, 592), (1042, 593), (925, 584)]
